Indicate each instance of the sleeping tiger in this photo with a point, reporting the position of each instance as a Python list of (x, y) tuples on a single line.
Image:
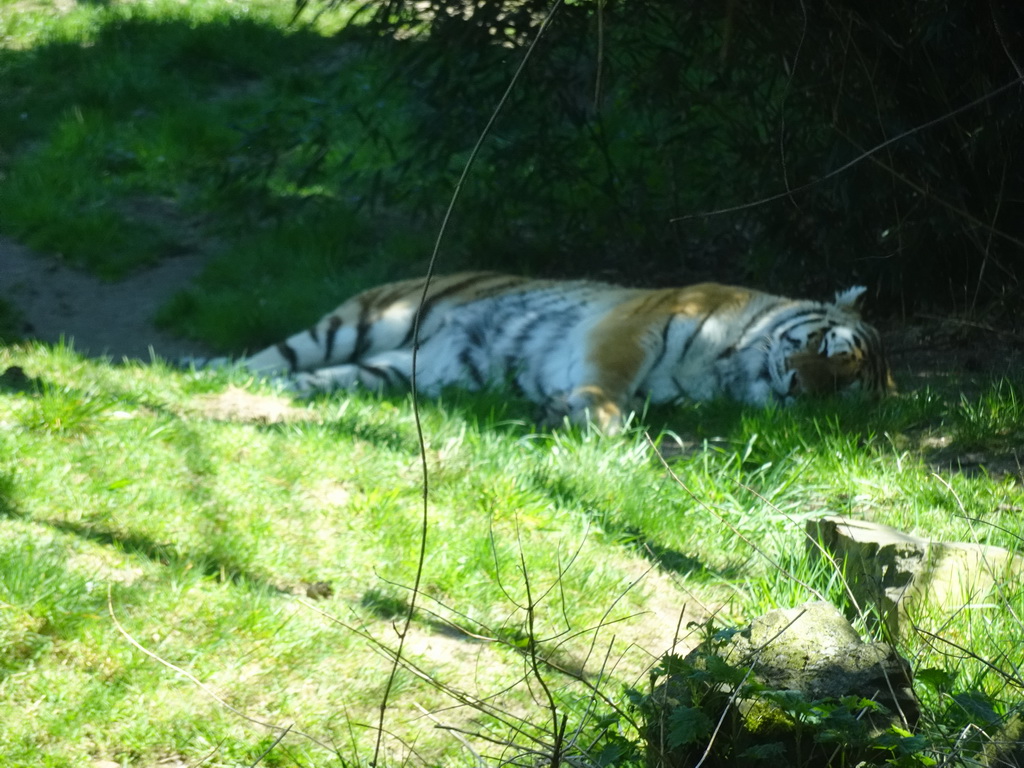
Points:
[(586, 351)]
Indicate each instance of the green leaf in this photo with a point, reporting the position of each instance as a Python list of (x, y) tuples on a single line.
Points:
[(763, 751), (687, 725), (937, 679), (723, 672), (978, 707), (614, 752)]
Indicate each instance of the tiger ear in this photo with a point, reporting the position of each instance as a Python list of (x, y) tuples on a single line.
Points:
[(851, 298)]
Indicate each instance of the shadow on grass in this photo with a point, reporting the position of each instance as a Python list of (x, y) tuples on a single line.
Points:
[(218, 567), (109, 166), (132, 64), (8, 507)]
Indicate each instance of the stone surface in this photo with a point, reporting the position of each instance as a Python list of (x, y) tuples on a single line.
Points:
[(899, 576), (756, 682), (1006, 747), (814, 650)]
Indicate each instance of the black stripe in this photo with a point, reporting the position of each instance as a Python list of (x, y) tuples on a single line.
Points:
[(401, 377), (511, 375), (788, 324), (664, 343), (332, 331), (812, 317), (467, 362), (693, 336), (557, 324), (772, 307), (765, 375), (380, 373), (289, 354), (429, 303), (527, 331), (680, 390), (362, 339)]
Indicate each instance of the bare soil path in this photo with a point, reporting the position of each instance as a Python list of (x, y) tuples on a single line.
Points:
[(99, 318)]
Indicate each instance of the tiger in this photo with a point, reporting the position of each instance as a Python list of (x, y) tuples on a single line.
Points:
[(585, 351)]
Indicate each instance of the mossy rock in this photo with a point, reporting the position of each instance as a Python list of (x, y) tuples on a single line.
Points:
[(1007, 745), (796, 687)]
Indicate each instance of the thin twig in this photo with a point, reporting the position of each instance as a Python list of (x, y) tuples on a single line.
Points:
[(415, 393), (270, 749), (785, 94), (454, 732), (862, 156)]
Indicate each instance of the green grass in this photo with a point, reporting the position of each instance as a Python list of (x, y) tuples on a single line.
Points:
[(180, 118), (187, 514), (203, 526)]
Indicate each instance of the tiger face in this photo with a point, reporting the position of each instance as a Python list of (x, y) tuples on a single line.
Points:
[(585, 351), (843, 355)]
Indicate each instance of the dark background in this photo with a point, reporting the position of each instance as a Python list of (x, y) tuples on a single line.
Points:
[(856, 142)]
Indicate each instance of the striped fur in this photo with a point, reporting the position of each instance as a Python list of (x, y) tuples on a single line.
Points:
[(585, 350)]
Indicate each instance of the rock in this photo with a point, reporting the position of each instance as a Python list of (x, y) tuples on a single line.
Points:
[(788, 688), (1006, 747), (899, 576)]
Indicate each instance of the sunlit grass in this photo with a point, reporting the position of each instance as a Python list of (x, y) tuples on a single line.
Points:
[(204, 528), (213, 511)]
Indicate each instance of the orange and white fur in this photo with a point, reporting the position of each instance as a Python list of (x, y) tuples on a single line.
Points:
[(585, 350)]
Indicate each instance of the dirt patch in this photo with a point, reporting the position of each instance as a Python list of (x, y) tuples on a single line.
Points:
[(236, 404), (98, 318), (965, 354)]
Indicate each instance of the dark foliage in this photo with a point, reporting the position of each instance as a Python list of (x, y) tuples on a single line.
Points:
[(797, 146)]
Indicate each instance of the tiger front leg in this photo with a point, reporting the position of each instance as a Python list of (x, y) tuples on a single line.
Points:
[(375, 373)]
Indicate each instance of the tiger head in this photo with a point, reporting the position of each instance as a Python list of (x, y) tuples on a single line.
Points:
[(842, 355)]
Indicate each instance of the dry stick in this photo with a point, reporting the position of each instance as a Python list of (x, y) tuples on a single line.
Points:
[(493, 638), (547, 662), (988, 241), (566, 636), (216, 748), (862, 156), (458, 736), (1010, 677), (466, 699), (593, 701), (270, 749), (927, 193), (785, 93), (201, 685), (600, 54), (883, 131), (1002, 41), (531, 612), (415, 395), (580, 676)]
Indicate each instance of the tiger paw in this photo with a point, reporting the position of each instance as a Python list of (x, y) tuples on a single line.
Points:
[(581, 407)]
